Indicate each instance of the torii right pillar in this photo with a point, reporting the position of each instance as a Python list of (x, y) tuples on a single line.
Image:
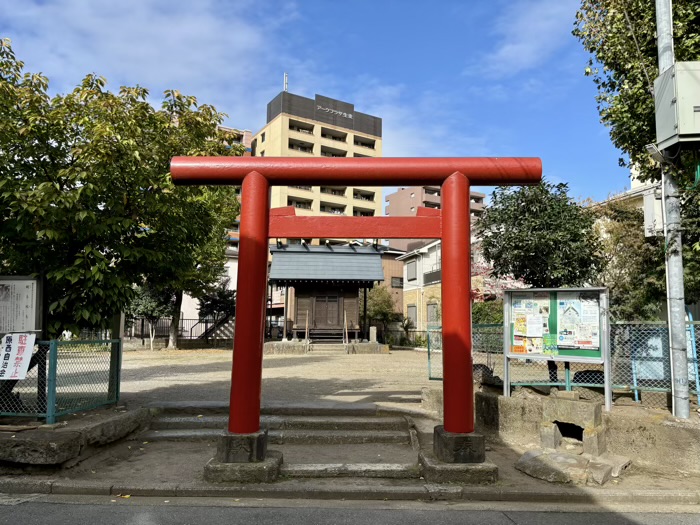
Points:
[(455, 440)]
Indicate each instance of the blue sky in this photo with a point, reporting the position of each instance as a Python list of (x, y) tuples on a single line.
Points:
[(448, 77)]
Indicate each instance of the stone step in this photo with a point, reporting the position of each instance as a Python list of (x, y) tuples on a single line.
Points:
[(220, 421), (331, 348), (307, 437), (354, 470), (286, 409)]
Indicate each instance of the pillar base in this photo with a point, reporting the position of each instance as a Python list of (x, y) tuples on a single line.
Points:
[(265, 471), (241, 448), (458, 448)]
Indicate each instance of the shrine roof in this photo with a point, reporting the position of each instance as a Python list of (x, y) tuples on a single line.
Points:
[(305, 263)]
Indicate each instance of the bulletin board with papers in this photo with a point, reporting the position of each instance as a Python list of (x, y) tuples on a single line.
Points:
[(560, 324)]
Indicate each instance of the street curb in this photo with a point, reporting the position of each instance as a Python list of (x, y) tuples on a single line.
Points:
[(359, 490)]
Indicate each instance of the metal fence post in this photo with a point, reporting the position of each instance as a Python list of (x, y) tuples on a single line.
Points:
[(51, 393)]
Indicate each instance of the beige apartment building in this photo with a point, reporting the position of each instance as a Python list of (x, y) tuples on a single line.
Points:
[(321, 127), (404, 202)]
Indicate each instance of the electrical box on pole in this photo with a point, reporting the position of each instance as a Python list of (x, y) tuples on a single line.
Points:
[(677, 101)]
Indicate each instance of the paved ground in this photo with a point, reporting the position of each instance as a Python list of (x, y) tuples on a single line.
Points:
[(394, 379), (390, 380)]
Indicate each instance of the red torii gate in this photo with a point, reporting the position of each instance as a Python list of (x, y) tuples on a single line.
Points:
[(258, 225)]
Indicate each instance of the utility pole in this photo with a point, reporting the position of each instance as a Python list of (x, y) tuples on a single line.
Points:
[(675, 294)]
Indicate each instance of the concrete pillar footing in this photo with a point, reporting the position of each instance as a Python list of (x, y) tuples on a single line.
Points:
[(458, 448)]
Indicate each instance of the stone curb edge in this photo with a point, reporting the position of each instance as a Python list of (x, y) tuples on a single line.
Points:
[(314, 490)]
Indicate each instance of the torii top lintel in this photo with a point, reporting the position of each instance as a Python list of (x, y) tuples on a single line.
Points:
[(366, 171)]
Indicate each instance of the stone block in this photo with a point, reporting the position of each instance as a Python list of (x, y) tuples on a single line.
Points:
[(594, 441), (241, 448), (265, 471), (514, 419), (450, 447), (116, 427), (555, 467), (573, 395), (618, 463), (550, 436), (40, 447), (582, 413), (432, 398), (435, 471), (372, 334), (599, 472)]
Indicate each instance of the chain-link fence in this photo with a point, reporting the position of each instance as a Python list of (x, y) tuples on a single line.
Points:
[(640, 364), (487, 352), (64, 377), (410, 338)]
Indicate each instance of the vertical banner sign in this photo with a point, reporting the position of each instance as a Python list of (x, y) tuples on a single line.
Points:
[(15, 354)]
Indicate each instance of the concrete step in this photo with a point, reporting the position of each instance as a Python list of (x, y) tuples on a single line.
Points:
[(332, 348), (220, 421), (299, 409), (307, 437), (354, 470)]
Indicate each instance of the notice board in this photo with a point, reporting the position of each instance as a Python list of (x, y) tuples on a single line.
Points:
[(557, 324)]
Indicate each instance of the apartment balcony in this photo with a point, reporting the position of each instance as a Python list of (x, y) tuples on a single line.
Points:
[(335, 191), (333, 209), (301, 127), (334, 135), (302, 204), (434, 276), (300, 145), (332, 152), (361, 195), (362, 212), (364, 142), (431, 201)]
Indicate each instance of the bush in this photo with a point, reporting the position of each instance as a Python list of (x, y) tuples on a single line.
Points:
[(487, 313)]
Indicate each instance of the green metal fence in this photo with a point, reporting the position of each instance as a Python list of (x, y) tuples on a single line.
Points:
[(640, 363), (65, 377)]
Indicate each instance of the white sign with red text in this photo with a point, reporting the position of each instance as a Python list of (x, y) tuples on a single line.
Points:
[(15, 354)]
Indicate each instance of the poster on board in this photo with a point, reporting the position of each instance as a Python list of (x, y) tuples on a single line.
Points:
[(556, 323), (530, 314), (578, 321), (18, 305)]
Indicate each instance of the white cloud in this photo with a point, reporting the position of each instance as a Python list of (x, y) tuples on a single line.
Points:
[(528, 33), (230, 54), (207, 49)]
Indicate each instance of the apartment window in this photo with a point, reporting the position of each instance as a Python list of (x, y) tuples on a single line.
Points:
[(411, 271), (262, 139), (412, 313), (397, 282)]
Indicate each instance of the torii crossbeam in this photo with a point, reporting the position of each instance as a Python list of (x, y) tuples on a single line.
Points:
[(451, 224)]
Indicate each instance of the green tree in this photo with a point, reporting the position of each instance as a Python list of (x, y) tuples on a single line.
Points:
[(540, 235), (148, 304), (634, 264), (218, 302), (380, 306), (86, 198), (621, 38)]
